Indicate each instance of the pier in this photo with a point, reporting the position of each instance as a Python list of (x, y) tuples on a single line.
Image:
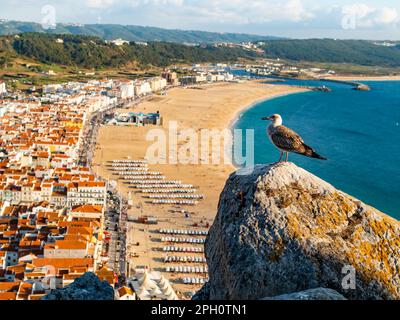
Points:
[(357, 85)]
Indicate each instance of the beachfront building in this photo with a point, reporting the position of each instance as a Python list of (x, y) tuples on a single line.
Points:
[(201, 78), (157, 84), (86, 192), (188, 80), (142, 88), (127, 90), (171, 77), (206, 77), (137, 118)]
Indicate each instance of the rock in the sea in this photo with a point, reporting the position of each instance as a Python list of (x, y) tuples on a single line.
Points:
[(312, 294), (281, 230), (87, 287)]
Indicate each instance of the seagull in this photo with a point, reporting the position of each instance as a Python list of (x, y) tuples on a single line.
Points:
[(286, 140)]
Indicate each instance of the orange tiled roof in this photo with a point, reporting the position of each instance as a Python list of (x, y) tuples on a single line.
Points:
[(70, 245), (9, 286), (88, 209), (124, 291), (63, 263), (8, 295)]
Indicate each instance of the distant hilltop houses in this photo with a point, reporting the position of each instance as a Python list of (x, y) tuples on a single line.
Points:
[(250, 46), (386, 43), (118, 42), (121, 42)]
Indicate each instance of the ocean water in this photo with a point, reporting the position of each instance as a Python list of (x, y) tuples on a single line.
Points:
[(358, 131)]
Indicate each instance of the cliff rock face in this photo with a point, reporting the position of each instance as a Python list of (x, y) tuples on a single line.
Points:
[(281, 230), (87, 287)]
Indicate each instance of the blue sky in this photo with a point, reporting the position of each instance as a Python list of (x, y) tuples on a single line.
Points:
[(364, 19)]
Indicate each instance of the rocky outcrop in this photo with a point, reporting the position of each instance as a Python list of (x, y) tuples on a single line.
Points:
[(88, 287), (280, 229)]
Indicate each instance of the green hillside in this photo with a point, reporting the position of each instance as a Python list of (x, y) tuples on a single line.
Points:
[(129, 33), (335, 51), (92, 52)]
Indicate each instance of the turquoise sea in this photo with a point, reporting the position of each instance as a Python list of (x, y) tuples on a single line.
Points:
[(358, 131)]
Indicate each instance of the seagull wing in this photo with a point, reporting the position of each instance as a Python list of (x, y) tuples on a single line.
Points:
[(288, 140)]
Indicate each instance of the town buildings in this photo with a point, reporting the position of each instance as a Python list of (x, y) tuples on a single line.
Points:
[(51, 208)]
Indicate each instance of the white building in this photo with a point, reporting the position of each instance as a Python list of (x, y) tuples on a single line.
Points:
[(3, 89), (66, 249), (81, 193), (157, 84), (127, 90), (119, 42), (201, 78), (142, 88)]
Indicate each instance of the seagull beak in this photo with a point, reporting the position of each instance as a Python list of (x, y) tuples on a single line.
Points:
[(266, 119)]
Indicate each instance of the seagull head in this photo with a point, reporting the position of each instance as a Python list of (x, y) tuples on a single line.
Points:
[(275, 118)]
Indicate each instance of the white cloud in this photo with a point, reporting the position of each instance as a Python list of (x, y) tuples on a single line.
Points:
[(137, 3), (365, 16), (100, 4), (387, 16), (246, 12)]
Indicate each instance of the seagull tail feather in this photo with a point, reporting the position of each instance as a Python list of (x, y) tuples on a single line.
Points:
[(310, 152), (317, 156)]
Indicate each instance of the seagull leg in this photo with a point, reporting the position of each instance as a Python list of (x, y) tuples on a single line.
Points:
[(287, 156), (280, 159)]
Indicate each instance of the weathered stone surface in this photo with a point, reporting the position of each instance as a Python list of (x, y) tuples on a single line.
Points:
[(312, 294), (87, 287), (203, 293), (281, 230)]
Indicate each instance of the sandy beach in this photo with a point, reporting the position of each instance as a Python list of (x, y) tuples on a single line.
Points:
[(207, 107)]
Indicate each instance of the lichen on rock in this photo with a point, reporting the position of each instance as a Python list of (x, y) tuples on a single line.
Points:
[(281, 230)]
